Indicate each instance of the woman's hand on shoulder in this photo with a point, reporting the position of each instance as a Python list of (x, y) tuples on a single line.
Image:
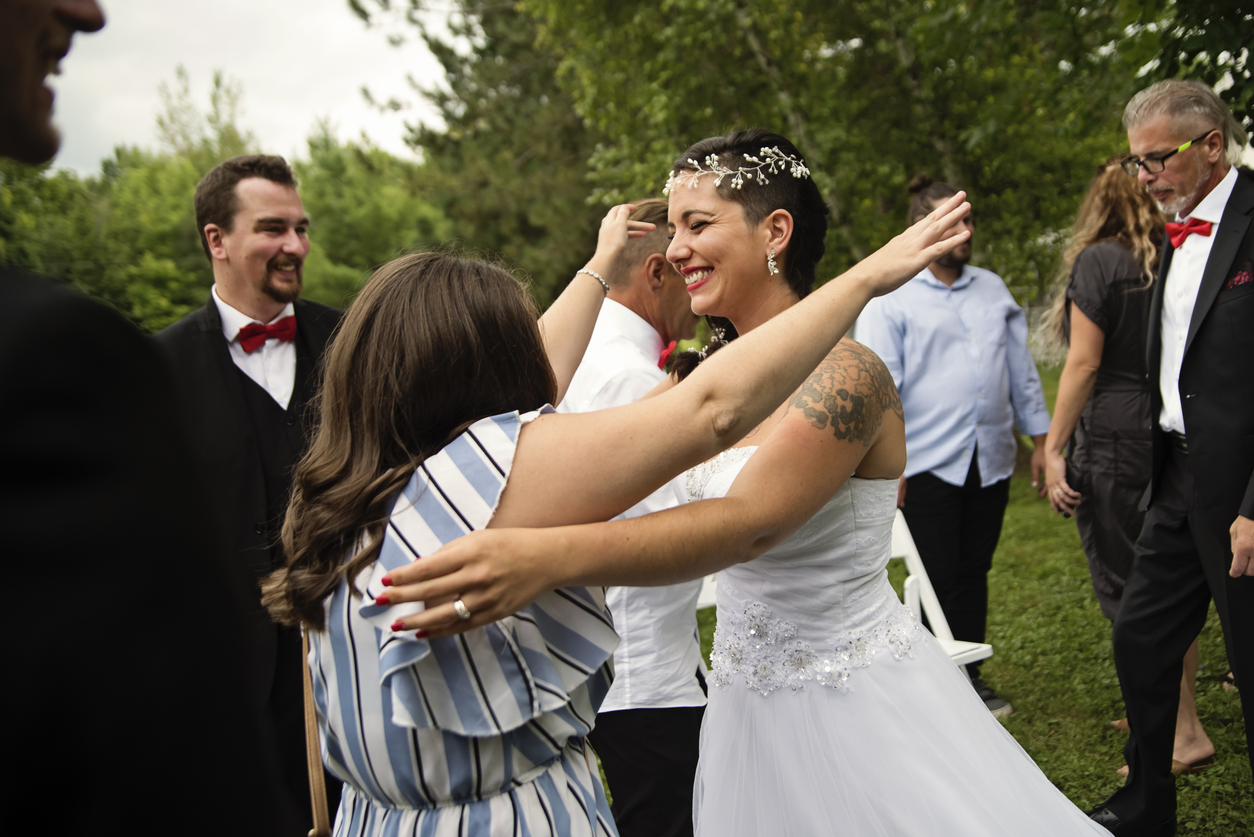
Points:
[(494, 572), (901, 259)]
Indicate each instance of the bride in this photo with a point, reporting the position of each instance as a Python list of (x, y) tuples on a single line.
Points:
[(831, 710)]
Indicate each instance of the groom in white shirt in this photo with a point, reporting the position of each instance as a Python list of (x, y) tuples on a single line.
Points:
[(648, 729)]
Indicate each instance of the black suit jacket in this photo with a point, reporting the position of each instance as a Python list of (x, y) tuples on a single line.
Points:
[(1217, 375), (222, 435), (126, 636)]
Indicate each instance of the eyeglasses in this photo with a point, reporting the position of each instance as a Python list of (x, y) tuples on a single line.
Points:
[(1154, 165)]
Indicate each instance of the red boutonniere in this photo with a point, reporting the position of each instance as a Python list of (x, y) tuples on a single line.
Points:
[(666, 355)]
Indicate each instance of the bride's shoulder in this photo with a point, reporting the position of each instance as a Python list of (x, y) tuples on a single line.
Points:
[(850, 392)]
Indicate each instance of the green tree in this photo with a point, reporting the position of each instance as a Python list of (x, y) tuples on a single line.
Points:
[(509, 166), (1210, 40), (1016, 102), (128, 235)]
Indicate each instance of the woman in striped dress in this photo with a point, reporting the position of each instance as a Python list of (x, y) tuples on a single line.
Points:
[(433, 421)]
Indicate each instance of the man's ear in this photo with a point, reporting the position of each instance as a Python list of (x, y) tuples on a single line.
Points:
[(214, 238), (778, 227), (655, 270)]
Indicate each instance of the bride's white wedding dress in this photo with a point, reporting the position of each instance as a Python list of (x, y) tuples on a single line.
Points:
[(832, 711)]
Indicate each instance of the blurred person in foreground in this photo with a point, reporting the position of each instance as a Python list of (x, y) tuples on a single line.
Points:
[(138, 695), (246, 367), (648, 728), (1102, 416), (955, 342), (1198, 540)]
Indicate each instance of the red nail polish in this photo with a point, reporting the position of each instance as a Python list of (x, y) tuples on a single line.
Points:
[(398, 626), (382, 599), (386, 581), (420, 635)]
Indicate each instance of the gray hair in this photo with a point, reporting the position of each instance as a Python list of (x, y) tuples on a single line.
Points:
[(1193, 103)]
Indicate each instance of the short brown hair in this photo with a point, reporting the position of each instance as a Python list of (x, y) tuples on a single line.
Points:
[(216, 201), (650, 210), (925, 195)]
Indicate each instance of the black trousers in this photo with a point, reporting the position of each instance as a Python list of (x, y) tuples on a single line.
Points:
[(650, 762), (956, 529), (1181, 563)]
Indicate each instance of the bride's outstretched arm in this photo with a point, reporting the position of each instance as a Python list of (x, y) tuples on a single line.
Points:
[(588, 467), (846, 418)]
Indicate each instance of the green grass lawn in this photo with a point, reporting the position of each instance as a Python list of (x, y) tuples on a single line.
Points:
[(1052, 660)]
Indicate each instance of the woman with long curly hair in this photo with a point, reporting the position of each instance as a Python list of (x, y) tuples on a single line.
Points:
[(1102, 415)]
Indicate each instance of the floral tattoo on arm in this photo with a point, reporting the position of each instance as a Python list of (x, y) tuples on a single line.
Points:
[(849, 392)]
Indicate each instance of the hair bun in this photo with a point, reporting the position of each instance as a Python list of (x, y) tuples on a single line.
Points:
[(920, 182)]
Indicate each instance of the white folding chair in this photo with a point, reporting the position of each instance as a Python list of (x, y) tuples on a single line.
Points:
[(919, 592), (707, 597)]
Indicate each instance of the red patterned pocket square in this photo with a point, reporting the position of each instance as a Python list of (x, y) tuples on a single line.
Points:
[(1238, 279)]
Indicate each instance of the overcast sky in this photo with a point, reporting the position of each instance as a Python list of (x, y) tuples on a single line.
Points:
[(297, 60)]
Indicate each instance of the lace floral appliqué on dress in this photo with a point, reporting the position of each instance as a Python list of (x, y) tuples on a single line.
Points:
[(763, 650)]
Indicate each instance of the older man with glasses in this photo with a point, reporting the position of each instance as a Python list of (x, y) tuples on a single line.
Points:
[(1198, 540)]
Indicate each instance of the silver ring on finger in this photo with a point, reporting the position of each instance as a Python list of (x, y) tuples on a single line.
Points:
[(463, 612)]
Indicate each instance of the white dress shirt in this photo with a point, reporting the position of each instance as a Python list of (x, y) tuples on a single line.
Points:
[(1184, 280), (273, 366), (656, 662)]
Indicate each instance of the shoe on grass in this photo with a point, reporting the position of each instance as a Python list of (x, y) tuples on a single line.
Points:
[(999, 706)]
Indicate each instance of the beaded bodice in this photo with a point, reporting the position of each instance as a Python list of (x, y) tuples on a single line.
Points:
[(817, 606)]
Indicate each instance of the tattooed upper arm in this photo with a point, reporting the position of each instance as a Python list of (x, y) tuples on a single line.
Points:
[(849, 393)]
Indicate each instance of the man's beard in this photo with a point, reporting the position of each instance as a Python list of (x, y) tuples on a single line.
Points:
[(284, 293), (1180, 201), (953, 260)]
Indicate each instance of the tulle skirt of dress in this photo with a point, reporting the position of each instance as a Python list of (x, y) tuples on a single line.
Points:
[(909, 750)]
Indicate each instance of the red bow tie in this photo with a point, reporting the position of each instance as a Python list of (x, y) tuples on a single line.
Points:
[(666, 355), (1179, 232), (254, 335)]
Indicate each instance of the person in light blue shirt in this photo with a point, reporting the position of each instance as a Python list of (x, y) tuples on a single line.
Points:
[(955, 342)]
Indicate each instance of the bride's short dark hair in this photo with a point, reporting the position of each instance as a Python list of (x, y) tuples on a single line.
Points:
[(798, 196)]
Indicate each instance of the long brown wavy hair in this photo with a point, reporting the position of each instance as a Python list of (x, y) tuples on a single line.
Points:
[(1117, 207), (431, 344)]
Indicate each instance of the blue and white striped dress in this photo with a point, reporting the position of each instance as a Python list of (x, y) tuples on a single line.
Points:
[(479, 734)]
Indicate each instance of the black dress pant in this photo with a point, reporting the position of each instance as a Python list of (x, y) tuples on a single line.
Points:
[(650, 762), (1181, 563), (956, 528)]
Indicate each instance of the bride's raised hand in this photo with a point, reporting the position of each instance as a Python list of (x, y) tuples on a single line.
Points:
[(901, 259)]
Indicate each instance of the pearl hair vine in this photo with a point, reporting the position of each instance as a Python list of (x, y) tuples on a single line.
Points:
[(769, 161)]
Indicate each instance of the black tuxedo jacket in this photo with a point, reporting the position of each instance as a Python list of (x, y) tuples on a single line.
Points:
[(127, 634), (1217, 375), (222, 434)]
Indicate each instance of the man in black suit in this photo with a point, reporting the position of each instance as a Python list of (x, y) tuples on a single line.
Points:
[(246, 363), (1198, 539), (128, 654)]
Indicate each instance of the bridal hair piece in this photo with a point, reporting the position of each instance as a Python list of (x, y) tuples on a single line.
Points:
[(768, 161)]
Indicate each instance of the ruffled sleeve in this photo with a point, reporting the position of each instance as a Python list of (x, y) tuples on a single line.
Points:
[(496, 678)]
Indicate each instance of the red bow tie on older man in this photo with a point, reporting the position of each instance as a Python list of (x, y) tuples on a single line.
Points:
[(254, 335), (1179, 232)]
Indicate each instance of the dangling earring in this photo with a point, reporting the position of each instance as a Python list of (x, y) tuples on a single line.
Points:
[(770, 263)]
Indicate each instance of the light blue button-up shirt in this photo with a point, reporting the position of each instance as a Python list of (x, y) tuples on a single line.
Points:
[(959, 356)]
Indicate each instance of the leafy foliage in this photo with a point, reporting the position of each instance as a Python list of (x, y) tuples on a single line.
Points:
[(128, 235), (1210, 40), (1016, 102)]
